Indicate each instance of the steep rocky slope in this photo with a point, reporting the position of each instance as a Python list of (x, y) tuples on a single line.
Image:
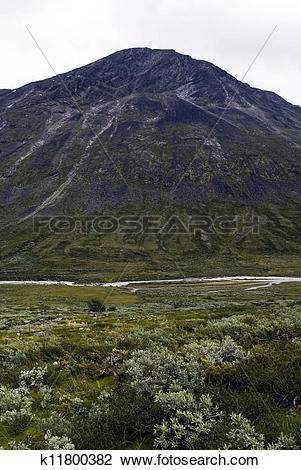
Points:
[(148, 132), (146, 127)]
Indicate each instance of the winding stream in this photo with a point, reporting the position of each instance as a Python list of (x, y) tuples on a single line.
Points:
[(266, 281)]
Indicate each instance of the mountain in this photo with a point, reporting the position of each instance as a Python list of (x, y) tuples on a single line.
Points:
[(149, 130), (129, 126)]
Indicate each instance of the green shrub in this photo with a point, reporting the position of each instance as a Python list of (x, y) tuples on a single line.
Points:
[(242, 435), (95, 305), (59, 442), (188, 422), (148, 338), (285, 442), (216, 353), (155, 370), (116, 420), (15, 408), (34, 377), (55, 424)]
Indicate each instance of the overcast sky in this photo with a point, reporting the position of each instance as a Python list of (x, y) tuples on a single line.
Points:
[(228, 33)]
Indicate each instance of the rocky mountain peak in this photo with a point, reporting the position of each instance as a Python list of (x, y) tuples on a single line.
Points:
[(168, 123)]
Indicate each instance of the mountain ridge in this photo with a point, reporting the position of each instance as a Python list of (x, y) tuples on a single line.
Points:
[(132, 125), (148, 132)]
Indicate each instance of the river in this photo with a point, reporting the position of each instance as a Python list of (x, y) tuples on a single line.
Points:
[(265, 281)]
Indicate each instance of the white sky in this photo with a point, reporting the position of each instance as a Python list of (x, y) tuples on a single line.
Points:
[(228, 33)]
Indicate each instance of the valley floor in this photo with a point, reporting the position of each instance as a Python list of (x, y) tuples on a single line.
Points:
[(213, 357)]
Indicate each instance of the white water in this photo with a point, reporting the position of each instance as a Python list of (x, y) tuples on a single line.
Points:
[(263, 281)]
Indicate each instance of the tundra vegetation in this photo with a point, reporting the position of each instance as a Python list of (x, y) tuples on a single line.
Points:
[(177, 366)]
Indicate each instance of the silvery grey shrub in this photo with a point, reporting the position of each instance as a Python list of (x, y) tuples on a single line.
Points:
[(284, 442), (155, 370), (187, 421), (101, 407), (59, 443), (13, 445), (47, 394), (56, 424), (34, 377), (147, 338), (217, 352), (242, 434), (292, 319), (15, 408), (235, 324)]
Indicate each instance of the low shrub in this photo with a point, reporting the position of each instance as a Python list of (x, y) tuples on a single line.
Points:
[(95, 305)]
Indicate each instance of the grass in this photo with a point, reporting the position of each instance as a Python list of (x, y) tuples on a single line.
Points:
[(84, 352)]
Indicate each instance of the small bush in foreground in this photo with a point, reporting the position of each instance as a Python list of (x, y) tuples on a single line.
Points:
[(95, 305), (188, 421)]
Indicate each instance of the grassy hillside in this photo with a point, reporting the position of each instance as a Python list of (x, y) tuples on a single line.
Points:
[(236, 239)]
